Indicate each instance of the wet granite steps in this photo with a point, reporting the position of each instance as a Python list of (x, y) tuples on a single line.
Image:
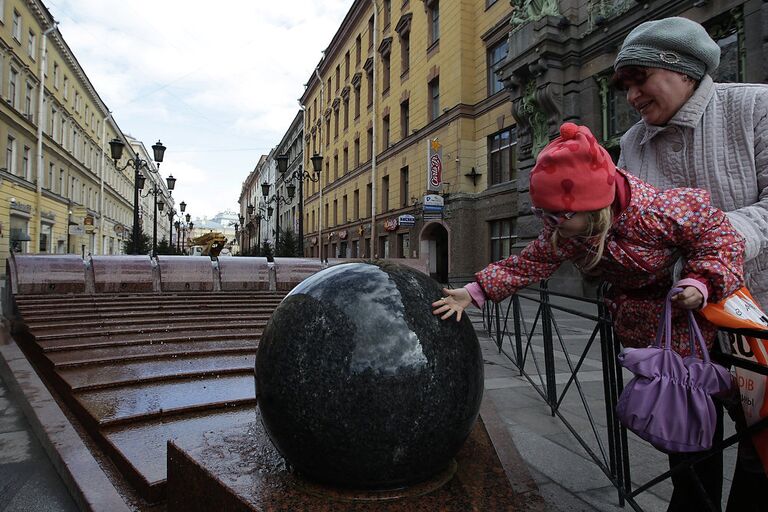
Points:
[(140, 369)]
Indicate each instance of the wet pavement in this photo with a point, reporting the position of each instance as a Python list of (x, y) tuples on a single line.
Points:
[(28, 480)]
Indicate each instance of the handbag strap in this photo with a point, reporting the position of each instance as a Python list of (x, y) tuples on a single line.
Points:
[(665, 324), (696, 337)]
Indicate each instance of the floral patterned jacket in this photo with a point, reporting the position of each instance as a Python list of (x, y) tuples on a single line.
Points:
[(645, 241)]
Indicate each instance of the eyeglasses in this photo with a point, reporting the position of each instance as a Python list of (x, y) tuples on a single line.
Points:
[(553, 219), (628, 76)]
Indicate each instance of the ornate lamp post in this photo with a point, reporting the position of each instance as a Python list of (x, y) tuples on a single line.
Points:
[(116, 148), (300, 174), (278, 200), (159, 204)]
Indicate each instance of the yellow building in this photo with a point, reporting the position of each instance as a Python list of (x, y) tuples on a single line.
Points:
[(392, 83), (59, 190)]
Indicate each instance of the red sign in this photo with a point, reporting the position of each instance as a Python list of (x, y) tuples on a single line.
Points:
[(434, 165), (390, 224)]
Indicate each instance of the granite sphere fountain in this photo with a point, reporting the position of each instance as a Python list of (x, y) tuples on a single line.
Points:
[(360, 386)]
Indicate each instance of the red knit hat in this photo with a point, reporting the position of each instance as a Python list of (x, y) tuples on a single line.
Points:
[(573, 173)]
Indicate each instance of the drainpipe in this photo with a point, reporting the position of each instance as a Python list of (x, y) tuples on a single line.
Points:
[(319, 181), (40, 126), (373, 136), (102, 163)]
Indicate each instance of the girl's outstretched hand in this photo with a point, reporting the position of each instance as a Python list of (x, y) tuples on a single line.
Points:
[(689, 298), (455, 301)]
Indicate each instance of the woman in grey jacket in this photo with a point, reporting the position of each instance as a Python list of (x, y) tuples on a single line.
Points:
[(697, 133)]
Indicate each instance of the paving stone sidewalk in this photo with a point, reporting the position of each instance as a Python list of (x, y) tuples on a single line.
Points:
[(28, 480), (567, 477)]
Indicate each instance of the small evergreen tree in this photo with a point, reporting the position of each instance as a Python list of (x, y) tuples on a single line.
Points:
[(165, 248), (288, 246), (142, 246)]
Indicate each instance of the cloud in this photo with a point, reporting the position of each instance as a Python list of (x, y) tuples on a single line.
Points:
[(215, 78)]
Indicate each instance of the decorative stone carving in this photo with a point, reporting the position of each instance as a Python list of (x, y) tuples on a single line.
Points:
[(524, 11)]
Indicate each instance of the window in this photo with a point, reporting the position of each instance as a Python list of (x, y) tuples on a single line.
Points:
[(357, 101), (338, 76), (403, 245), (356, 205), (28, 101), (404, 197), (55, 75), (621, 115), (346, 65), (404, 119), (346, 112), (405, 53), (356, 155), (66, 88), (433, 15), (10, 155), (496, 55), (358, 50), (25, 169), (384, 193), (434, 98), (335, 167), (13, 81), (327, 131), (385, 68), (502, 160), (16, 25), (501, 239), (345, 161), (336, 123), (384, 133), (18, 234), (370, 33), (45, 238), (335, 212), (370, 143), (50, 176), (31, 45), (344, 217), (387, 13), (727, 30), (54, 114)]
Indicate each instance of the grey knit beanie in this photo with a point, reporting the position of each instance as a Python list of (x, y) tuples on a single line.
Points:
[(677, 44)]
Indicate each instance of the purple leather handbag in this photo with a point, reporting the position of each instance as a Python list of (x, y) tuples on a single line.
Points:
[(669, 401)]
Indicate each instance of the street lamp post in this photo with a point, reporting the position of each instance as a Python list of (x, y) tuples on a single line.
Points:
[(277, 199), (156, 190), (300, 174), (116, 148)]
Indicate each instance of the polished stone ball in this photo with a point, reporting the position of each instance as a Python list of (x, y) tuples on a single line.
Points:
[(360, 385)]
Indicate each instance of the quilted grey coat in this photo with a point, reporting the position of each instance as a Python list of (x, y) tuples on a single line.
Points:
[(717, 141)]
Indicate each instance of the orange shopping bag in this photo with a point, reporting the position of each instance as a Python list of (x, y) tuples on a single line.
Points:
[(740, 314)]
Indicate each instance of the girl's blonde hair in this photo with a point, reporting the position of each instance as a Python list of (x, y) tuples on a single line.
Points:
[(598, 224)]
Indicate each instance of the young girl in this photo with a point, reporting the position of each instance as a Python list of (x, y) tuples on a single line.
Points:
[(610, 223)]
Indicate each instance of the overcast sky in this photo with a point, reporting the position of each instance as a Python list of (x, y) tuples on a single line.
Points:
[(217, 82)]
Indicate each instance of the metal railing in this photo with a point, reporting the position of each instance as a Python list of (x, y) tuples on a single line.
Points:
[(606, 445)]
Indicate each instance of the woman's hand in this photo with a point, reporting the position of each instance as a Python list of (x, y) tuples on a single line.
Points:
[(689, 298), (455, 301)]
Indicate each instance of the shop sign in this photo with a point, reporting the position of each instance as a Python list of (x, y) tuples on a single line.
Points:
[(406, 221), (390, 225), (76, 229), (434, 200), (434, 165)]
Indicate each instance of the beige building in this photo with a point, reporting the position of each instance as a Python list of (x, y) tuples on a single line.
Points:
[(390, 85), (59, 189)]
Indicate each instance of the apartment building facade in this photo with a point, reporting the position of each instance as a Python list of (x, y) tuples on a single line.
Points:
[(398, 78), (560, 61), (59, 189)]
